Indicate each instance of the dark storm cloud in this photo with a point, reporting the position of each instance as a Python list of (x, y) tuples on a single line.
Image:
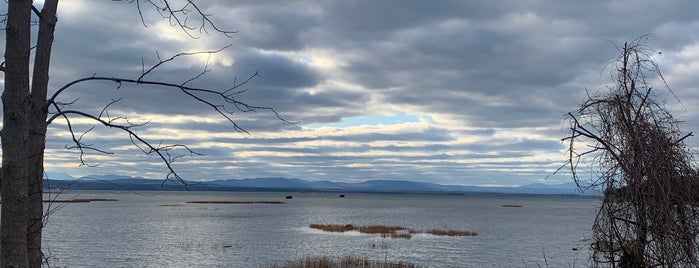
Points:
[(279, 29), (281, 70)]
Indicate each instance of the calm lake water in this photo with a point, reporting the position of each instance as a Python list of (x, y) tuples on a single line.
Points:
[(158, 229)]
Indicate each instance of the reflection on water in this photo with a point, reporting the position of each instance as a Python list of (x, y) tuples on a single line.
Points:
[(158, 229)]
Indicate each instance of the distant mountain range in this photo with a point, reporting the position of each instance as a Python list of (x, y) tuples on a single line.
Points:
[(119, 182)]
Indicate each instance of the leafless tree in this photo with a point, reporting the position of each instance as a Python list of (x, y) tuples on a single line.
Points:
[(649, 216), (27, 110)]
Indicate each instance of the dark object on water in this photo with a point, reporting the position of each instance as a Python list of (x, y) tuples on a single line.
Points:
[(342, 195), (574, 249), (511, 206), (288, 197)]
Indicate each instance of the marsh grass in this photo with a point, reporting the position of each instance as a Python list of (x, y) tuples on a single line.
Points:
[(398, 235), (347, 261), (451, 233), (333, 227), (234, 202), (381, 229), (388, 231)]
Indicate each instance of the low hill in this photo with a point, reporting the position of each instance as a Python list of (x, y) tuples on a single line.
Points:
[(116, 182)]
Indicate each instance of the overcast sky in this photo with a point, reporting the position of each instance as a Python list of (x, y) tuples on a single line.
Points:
[(451, 92)]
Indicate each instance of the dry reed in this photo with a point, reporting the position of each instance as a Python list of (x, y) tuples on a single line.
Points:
[(345, 261), (387, 231), (380, 229), (333, 227), (234, 202), (451, 233)]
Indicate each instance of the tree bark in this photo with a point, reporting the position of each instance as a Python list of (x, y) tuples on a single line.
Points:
[(16, 102), (37, 130)]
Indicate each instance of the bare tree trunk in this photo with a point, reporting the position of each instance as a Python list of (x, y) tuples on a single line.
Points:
[(16, 102), (37, 130), (25, 113)]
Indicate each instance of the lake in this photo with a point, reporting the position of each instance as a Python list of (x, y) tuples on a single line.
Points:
[(158, 229)]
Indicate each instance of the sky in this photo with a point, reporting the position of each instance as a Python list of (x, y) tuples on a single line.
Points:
[(450, 92)]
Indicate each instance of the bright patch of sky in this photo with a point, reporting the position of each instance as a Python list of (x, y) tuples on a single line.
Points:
[(374, 120)]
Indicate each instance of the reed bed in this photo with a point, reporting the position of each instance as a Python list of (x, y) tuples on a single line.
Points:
[(388, 231), (347, 261), (451, 233), (398, 235), (381, 229), (333, 227), (384, 231), (234, 202)]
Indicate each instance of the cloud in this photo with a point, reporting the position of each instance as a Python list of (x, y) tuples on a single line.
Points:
[(460, 92)]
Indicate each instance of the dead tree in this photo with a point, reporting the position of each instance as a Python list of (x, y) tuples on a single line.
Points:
[(28, 110), (649, 216)]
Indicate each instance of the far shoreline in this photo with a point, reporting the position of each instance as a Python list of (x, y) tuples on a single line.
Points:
[(347, 193)]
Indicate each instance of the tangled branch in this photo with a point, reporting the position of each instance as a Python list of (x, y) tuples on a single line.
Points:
[(650, 212), (179, 16)]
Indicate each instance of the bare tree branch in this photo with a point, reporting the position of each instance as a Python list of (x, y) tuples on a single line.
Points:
[(226, 107), (178, 55), (180, 16), (650, 209), (227, 98), (162, 151)]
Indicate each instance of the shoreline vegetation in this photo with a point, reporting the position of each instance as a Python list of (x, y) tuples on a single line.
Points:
[(345, 261), (388, 231)]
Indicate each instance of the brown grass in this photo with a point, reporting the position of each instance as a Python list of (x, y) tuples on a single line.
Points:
[(346, 261), (380, 229), (398, 235), (387, 231), (333, 227), (451, 233), (235, 202)]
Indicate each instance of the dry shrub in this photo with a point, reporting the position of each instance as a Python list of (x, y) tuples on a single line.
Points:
[(649, 215)]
